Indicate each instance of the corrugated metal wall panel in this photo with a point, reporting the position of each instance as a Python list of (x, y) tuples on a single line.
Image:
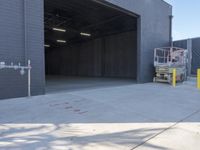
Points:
[(13, 19), (111, 56), (195, 55)]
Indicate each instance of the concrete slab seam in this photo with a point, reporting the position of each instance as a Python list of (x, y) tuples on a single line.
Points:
[(170, 127)]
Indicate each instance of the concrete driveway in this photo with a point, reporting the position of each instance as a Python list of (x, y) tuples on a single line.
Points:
[(127, 117)]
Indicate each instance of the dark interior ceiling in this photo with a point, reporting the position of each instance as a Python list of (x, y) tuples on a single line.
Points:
[(83, 16)]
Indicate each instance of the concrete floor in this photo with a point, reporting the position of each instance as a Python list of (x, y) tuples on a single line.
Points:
[(119, 117), (58, 84)]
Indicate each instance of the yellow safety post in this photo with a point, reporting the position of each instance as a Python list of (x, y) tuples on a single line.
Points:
[(174, 78), (198, 78)]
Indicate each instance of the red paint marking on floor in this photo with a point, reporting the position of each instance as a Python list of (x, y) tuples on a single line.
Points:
[(77, 110), (83, 112), (70, 107)]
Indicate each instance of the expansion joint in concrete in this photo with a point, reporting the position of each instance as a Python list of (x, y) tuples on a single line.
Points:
[(170, 127)]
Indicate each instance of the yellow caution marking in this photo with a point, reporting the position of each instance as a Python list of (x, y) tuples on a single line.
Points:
[(174, 78), (198, 78)]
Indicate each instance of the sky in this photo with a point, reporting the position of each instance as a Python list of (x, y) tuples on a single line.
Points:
[(186, 21)]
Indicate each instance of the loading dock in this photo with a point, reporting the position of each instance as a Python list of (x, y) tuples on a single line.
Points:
[(104, 39), (88, 39)]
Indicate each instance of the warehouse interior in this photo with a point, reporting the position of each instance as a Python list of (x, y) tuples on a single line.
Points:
[(88, 44)]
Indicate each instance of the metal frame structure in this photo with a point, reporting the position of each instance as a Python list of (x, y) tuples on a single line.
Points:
[(167, 59), (170, 56)]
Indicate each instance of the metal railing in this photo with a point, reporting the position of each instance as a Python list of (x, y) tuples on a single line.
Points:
[(170, 56)]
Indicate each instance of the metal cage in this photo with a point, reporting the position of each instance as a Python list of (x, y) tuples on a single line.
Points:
[(170, 56)]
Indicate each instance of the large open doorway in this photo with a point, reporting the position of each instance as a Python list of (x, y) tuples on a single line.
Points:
[(88, 44)]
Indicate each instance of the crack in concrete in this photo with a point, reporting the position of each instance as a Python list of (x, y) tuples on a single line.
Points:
[(170, 127)]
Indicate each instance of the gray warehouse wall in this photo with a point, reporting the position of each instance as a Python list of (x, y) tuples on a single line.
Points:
[(154, 31), (21, 28), (111, 56)]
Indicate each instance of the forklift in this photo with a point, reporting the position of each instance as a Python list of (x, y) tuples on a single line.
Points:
[(167, 59)]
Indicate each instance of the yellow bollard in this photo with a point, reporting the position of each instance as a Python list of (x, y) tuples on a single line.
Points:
[(198, 78), (174, 78)]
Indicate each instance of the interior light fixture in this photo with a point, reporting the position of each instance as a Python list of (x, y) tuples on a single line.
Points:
[(58, 29), (46, 45), (61, 41), (85, 34)]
